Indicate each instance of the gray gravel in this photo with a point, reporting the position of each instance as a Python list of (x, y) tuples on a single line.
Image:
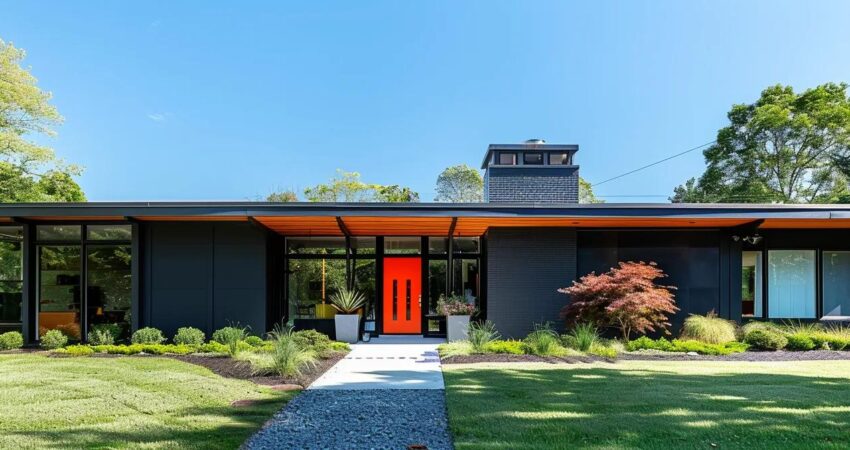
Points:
[(361, 419), (813, 355)]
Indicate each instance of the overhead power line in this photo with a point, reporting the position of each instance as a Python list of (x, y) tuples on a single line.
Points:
[(654, 163)]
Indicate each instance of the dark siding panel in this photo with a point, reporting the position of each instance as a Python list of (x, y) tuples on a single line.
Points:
[(206, 276), (525, 267), (691, 259)]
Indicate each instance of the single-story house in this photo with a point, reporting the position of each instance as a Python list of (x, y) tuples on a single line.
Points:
[(210, 264)]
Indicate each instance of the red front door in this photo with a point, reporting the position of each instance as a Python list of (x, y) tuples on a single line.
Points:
[(402, 307)]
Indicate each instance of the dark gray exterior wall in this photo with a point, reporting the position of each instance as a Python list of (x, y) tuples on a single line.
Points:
[(206, 275), (696, 262), (535, 184), (525, 267)]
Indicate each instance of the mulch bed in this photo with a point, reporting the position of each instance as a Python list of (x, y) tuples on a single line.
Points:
[(504, 357), (753, 356), (230, 368)]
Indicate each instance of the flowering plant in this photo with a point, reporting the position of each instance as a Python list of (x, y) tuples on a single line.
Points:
[(454, 305)]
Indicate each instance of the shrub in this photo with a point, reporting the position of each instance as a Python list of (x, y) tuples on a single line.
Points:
[(53, 339), (148, 335), (231, 337), (481, 335), (288, 358), (75, 350), (582, 337), (105, 333), (602, 350), (626, 297), (11, 340), (645, 343), (685, 346), (756, 325), (509, 347), (213, 347), (312, 339), (254, 341), (543, 341), (765, 339), (347, 301), (709, 329), (456, 348), (189, 336), (800, 342), (340, 346), (454, 305)]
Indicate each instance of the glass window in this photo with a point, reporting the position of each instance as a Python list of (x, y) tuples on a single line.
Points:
[(364, 281), (532, 158), (109, 232), (11, 278), (751, 284), (316, 246), (362, 246), (401, 245), (438, 246), (465, 279), (558, 159), (507, 159), (109, 286), (59, 300), (791, 284), (436, 283), (311, 283), (59, 232), (836, 284), (466, 245)]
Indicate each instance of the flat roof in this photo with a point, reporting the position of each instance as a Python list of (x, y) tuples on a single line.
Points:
[(465, 219)]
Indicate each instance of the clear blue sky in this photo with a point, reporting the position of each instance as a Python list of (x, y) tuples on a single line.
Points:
[(228, 101)]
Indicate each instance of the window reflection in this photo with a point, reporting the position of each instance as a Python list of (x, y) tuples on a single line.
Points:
[(109, 286), (59, 299), (311, 283), (11, 278)]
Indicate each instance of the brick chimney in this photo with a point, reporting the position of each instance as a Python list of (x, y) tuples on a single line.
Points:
[(531, 172)]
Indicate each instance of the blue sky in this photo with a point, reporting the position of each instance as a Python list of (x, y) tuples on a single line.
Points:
[(196, 100)]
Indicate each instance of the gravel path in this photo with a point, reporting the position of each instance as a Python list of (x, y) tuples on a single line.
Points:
[(358, 419)]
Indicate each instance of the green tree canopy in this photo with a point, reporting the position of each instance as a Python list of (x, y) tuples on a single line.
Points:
[(29, 171), (585, 192), (348, 187), (285, 196), (460, 184), (784, 148)]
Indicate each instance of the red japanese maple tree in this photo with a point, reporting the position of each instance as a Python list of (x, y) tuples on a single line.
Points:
[(626, 297)]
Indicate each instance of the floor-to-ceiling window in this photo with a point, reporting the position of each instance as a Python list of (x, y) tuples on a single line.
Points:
[(72, 256), (836, 284), (791, 290), (752, 275), (11, 278)]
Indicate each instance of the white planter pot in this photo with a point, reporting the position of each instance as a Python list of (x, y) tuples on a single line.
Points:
[(347, 327), (456, 328)]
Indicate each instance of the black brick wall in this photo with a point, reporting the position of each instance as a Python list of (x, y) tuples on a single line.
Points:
[(544, 184), (525, 267)]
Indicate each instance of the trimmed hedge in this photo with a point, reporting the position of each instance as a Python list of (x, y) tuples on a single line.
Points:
[(685, 346), (11, 340), (765, 339), (510, 347)]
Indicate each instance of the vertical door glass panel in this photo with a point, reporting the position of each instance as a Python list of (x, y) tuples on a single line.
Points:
[(109, 288), (59, 232), (11, 278), (402, 245), (836, 284), (311, 283), (364, 282), (465, 279), (791, 284), (751, 284), (436, 283), (59, 299)]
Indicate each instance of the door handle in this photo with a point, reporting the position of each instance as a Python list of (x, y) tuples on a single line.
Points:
[(420, 301)]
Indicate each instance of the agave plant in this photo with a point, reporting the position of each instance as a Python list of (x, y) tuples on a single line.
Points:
[(348, 301)]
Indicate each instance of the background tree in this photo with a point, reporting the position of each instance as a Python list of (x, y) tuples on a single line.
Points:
[(348, 187), (285, 196), (460, 184), (784, 148), (626, 297), (29, 171), (585, 192)]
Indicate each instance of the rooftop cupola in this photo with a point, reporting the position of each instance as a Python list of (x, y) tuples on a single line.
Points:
[(531, 172)]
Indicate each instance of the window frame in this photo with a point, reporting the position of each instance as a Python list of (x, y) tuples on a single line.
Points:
[(513, 155)]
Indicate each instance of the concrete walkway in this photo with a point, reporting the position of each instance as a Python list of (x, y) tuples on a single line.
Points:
[(387, 362), (385, 394)]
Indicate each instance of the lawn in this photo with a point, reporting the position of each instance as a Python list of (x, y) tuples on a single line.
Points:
[(138, 402), (646, 405)]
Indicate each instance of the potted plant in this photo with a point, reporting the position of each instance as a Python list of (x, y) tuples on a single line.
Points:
[(457, 311), (347, 302)]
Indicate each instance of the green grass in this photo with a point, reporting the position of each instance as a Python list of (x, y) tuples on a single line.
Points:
[(127, 402), (650, 405)]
